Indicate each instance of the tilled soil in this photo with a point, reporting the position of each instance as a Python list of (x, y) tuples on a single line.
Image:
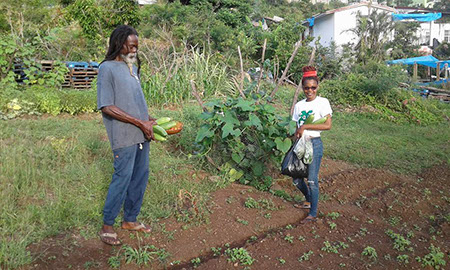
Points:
[(394, 218)]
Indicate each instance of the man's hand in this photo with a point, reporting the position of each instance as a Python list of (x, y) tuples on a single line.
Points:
[(147, 128)]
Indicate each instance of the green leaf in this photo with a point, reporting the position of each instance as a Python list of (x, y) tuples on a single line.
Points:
[(283, 145), (230, 118), (292, 127), (227, 129), (206, 115), (237, 157), (214, 103), (258, 168), (204, 132), (254, 121), (246, 105), (235, 175)]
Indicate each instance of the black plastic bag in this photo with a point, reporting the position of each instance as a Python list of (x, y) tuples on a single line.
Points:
[(292, 165)]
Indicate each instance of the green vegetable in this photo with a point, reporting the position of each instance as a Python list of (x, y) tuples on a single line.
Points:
[(159, 137), (320, 121), (163, 120), (309, 120), (168, 125), (159, 130)]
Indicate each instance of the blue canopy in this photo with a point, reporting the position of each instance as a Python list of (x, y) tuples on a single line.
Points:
[(429, 61), (427, 17)]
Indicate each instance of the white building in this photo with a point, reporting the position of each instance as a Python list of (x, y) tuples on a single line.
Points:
[(334, 25)]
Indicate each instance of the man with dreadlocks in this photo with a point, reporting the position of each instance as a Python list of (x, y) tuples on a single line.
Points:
[(129, 128)]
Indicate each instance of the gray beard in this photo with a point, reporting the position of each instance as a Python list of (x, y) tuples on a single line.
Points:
[(130, 58)]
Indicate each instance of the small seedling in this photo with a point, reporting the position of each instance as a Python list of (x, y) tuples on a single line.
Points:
[(306, 256), (282, 261), (289, 238), (434, 259), (332, 225), (301, 238), (216, 251), (404, 259), (268, 215), (239, 254), (196, 262), (333, 215), (289, 227), (242, 221), (370, 252)]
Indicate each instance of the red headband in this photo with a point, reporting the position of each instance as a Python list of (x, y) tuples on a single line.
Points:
[(312, 73)]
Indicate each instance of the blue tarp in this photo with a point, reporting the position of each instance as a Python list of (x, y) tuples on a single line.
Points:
[(427, 17), (429, 61), (311, 21)]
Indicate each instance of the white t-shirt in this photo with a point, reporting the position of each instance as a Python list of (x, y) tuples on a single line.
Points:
[(320, 107)]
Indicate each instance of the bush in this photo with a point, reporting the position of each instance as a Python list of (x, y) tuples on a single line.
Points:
[(376, 85), (39, 99), (245, 136)]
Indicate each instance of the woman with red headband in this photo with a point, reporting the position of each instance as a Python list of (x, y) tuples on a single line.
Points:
[(319, 107)]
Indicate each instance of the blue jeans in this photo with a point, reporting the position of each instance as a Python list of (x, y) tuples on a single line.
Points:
[(311, 190), (127, 187)]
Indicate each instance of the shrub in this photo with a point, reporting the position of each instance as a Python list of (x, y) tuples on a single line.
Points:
[(246, 136)]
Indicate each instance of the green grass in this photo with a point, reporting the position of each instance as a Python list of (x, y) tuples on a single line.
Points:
[(365, 140), (55, 172)]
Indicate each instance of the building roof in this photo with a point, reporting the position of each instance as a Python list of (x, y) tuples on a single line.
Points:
[(361, 4)]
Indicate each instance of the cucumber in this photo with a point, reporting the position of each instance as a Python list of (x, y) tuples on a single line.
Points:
[(163, 120), (159, 137), (168, 125), (159, 130)]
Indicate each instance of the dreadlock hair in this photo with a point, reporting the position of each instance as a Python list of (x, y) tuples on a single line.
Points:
[(309, 73), (116, 41)]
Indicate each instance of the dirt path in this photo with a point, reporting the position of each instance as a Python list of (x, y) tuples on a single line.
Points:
[(257, 230)]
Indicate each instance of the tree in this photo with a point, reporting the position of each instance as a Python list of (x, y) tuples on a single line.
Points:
[(405, 38), (373, 32)]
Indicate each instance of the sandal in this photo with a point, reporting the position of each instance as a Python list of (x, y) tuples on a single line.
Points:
[(137, 227), (304, 205), (308, 219), (109, 238)]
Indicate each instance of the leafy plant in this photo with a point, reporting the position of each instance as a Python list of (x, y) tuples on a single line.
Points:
[(400, 243), (240, 255), (247, 134), (370, 252), (434, 259), (289, 238), (306, 256)]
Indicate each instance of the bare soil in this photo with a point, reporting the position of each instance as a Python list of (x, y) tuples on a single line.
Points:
[(369, 203)]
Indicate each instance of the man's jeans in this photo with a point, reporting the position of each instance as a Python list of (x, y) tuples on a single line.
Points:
[(127, 187), (311, 190)]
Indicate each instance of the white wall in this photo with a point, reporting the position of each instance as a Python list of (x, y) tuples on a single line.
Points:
[(324, 27), (334, 27)]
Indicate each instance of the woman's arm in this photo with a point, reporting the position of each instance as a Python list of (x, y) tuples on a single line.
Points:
[(324, 126)]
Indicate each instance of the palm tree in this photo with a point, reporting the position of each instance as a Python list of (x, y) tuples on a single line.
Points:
[(374, 31)]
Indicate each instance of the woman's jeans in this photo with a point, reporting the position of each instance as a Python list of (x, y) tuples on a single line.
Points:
[(311, 190), (127, 187)]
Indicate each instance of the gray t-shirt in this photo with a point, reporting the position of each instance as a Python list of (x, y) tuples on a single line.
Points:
[(116, 86)]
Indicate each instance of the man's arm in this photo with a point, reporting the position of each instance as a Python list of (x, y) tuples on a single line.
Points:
[(116, 113)]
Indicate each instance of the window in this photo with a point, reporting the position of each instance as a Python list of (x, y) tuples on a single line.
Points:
[(447, 35)]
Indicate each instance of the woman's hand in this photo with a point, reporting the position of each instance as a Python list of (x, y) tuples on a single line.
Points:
[(299, 132)]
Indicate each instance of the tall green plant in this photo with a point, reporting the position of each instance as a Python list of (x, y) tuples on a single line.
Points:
[(246, 136)]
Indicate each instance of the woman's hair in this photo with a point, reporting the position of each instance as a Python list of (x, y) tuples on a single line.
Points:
[(116, 41), (309, 73)]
